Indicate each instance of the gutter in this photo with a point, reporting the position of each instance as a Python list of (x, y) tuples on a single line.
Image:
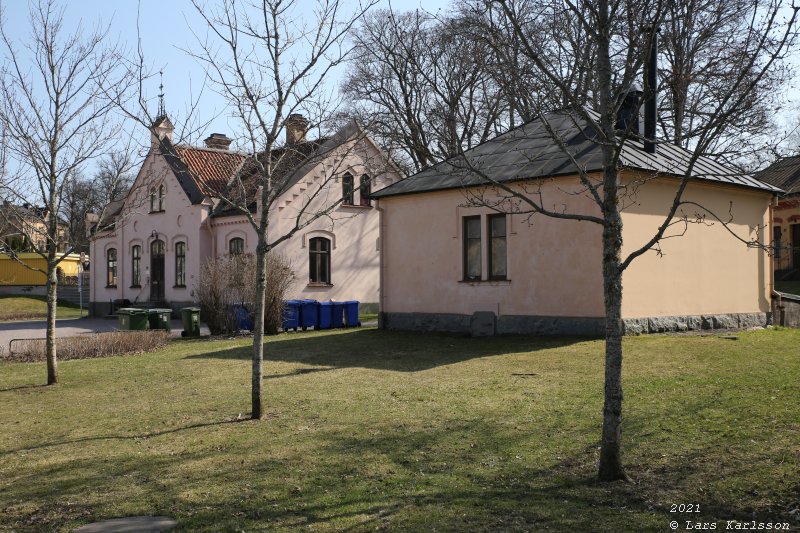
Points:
[(381, 263)]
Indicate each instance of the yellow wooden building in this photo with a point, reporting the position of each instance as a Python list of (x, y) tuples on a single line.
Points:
[(12, 272)]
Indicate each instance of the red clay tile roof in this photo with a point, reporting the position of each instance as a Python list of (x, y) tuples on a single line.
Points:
[(211, 169)]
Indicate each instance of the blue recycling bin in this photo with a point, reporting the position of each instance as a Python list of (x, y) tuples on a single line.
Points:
[(308, 313), (337, 315), (291, 315), (351, 314), (241, 317), (325, 315)]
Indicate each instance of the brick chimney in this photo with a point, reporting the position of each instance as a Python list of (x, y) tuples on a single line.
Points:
[(218, 141), (296, 128)]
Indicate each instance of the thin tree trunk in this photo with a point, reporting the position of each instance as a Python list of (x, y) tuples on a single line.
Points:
[(52, 304), (258, 330), (611, 468)]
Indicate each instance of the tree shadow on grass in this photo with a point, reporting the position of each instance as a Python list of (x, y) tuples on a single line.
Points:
[(24, 387), (392, 479), (337, 487), (387, 350), (147, 435)]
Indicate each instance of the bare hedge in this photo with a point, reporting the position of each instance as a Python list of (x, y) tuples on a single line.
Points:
[(90, 346), (232, 281)]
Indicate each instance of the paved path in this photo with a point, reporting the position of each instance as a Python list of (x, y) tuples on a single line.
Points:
[(132, 524), (68, 327)]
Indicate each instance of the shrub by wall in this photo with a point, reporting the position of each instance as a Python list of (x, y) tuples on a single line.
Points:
[(226, 282)]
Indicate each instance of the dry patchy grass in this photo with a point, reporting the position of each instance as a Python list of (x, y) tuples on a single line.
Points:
[(371, 430)]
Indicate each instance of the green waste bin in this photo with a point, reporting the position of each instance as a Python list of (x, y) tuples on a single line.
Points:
[(124, 316), (191, 321), (160, 319), (139, 319), (131, 318)]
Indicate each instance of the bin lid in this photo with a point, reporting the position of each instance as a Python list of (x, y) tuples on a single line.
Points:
[(125, 311), (159, 311), (137, 311), (191, 309), (350, 302)]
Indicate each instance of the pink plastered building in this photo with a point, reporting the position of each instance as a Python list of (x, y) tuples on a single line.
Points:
[(482, 263), (148, 248)]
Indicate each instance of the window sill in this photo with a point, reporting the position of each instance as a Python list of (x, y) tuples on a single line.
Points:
[(316, 284), (356, 206), (179, 286), (159, 211), (135, 287), (111, 286), (486, 281)]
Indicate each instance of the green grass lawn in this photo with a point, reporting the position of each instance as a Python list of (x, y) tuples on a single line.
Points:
[(792, 287), (367, 317), (33, 307), (372, 430)]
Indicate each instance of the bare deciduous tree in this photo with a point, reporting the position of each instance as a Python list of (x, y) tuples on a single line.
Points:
[(619, 37), (111, 181), (422, 85), (271, 61), (707, 44), (56, 121)]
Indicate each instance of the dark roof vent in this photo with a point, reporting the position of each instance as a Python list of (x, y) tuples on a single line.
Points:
[(628, 112), (218, 141)]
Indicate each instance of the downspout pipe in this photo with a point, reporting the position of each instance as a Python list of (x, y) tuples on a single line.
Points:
[(777, 303)]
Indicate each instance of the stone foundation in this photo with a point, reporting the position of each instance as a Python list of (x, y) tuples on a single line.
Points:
[(565, 326), (667, 324)]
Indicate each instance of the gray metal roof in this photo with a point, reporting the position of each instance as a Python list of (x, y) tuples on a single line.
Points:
[(784, 173), (530, 152)]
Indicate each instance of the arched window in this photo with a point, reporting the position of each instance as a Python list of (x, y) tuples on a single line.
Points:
[(347, 189), (364, 190), (319, 261), (157, 199), (157, 248), (236, 246), (180, 264), (136, 266), (111, 267)]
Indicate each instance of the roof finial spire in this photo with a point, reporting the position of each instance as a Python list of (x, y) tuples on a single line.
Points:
[(162, 112)]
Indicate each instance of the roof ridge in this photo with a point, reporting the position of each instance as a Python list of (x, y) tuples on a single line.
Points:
[(213, 150)]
